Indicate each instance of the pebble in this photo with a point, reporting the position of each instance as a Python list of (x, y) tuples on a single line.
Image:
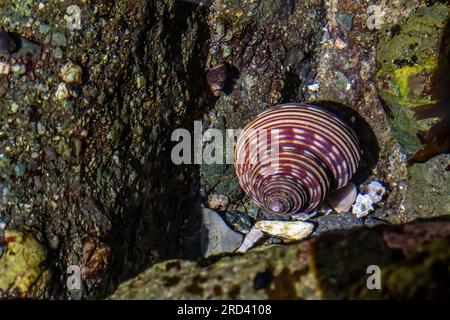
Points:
[(239, 221), (345, 20), (217, 238), (59, 39), (334, 222), (14, 107), (19, 170), (286, 230), (70, 73), (218, 202), (5, 67), (19, 68), (62, 93), (58, 53)]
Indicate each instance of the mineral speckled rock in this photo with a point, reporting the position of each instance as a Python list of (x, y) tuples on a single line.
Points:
[(217, 236), (22, 268), (332, 266)]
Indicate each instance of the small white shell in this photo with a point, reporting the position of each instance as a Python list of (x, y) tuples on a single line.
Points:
[(251, 238), (376, 191), (363, 205)]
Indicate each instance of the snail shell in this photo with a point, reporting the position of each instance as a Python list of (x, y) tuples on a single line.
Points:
[(290, 156)]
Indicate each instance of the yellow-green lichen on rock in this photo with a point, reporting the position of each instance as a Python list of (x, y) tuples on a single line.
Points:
[(22, 266), (408, 56)]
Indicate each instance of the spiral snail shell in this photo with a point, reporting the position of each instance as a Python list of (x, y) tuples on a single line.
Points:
[(291, 156)]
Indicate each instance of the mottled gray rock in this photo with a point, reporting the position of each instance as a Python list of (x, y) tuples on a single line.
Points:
[(217, 237)]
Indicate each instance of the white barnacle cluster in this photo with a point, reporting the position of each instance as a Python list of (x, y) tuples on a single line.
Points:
[(364, 202)]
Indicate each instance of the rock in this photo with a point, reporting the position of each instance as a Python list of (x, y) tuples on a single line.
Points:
[(287, 230), (334, 222), (62, 93), (5, 67), (331, 266), (218, 202), (345, 20), (408, 57), (7, 44), (70, 73), (217, 237), (59, 39), (22, 266), (240, 222)]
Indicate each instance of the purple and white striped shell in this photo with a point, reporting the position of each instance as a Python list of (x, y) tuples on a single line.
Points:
[(291, 156)]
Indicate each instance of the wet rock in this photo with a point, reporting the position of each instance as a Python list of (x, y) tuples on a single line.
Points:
[(332, 266), (70, 73), (408, 58), (217, 237), (7, 44), (22, 266), (333, 222), (240, 222), (345, 20), (59, 39)]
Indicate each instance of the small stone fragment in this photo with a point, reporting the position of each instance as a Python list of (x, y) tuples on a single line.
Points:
[(70, 73), (345, 20), (59, 39), (340, 44), (62, 93), (218, 202), (314, 87), (217, 237), (5, 67), (21, 265), (240, 222), (287, 230)]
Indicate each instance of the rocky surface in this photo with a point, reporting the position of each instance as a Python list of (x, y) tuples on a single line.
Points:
[(332, 266), (87, 115)]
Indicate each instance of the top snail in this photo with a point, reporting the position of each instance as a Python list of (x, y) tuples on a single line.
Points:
[(291, 156)]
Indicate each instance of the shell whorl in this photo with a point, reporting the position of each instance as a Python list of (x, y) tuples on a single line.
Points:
[(290, 156)]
